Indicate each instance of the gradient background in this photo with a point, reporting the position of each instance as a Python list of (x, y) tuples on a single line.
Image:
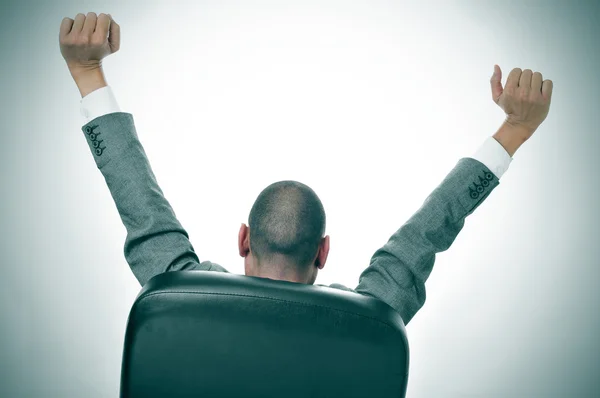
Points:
[(371, 103)]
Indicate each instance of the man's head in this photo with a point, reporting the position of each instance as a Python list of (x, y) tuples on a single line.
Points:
[(284, 239)]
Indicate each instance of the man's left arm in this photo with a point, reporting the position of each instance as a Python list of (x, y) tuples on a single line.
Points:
[(156, 242)]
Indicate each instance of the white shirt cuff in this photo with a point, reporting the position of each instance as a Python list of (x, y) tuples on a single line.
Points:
[(493, 155), (98, 103)]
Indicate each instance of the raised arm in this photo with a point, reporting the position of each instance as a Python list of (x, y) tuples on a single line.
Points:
[(156, 242), (398, 270)]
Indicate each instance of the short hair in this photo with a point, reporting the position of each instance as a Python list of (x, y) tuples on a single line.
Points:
[(287, 218)]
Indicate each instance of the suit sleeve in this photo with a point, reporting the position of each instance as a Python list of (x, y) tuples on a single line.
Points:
[(156, 242), (398, 270)]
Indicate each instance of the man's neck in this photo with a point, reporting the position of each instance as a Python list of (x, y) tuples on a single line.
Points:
[(279, 272)]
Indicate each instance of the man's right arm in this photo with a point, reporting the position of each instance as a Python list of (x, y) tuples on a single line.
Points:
[(398, 271)]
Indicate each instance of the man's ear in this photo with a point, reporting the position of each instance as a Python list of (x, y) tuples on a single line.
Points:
[(244, 240), (323, 252)]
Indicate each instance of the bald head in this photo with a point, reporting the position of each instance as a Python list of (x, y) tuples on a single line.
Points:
[(287, 219)]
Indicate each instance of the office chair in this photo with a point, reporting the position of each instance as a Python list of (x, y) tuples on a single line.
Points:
[(216, 335)]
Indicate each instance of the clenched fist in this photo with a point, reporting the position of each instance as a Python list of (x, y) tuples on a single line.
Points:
[(525, 99), (85, 41)]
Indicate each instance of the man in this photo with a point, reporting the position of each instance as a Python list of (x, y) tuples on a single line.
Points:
[(284, 239)]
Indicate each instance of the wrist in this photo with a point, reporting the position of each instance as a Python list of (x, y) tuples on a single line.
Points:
[(511, 136), (88, 79)]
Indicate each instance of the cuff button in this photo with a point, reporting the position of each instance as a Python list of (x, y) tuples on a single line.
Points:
[(88, 129), (479, 189), (474, 194), (92, 136), (489, 176), (485, 183), (99, 151)]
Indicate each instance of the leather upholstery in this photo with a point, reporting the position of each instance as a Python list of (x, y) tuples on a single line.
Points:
[(213, 334)]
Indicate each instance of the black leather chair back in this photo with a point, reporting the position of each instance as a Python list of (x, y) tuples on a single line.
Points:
[(213, 334)]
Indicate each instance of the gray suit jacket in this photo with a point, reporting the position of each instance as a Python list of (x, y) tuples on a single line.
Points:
[(156, 242)]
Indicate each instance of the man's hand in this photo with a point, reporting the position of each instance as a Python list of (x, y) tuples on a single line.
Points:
[(84, 42), (526, 101)]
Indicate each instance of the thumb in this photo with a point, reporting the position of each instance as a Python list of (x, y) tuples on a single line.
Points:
[(114, 35), (496, 82)]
